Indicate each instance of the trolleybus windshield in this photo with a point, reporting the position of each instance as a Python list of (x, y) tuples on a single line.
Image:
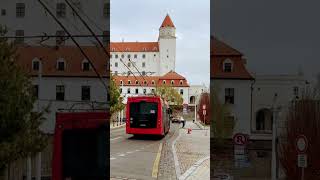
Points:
[(143, 114)]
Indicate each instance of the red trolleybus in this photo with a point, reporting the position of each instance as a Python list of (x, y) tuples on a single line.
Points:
[(81, 146), (147, 115)]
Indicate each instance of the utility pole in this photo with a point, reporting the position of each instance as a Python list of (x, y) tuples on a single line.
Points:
[(38, 156)]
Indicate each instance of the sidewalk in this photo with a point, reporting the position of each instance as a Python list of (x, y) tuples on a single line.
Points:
[(192, 153), (116, 125)]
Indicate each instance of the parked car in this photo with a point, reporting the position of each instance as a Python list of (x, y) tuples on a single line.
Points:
[(176, 119)]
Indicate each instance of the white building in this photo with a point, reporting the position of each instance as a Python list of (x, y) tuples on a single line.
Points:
[(150, 58), (29, 18), (64, 79), (251, 99)]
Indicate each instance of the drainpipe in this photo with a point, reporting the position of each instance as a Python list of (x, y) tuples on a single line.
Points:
[(251, 106)]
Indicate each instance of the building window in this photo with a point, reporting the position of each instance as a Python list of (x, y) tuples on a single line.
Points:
[(60, 65), (152, 82), (116, 64), (36, 91), (129, 64), (164, 82), (264, 120), (296, 91), (137, 82), (137, 91), (144, 91), (229, 95), (106, 10), (3, 12), (115, 73), (129, 82), (36, 65), (172, 82), (128, 91), (85, 93), (106, 37), (77, 5), (121, 82), (135, 56), (61, 10), (181, 91), (85, 66), (116, 56), (143, 56), (143, 64), (129, 56), (20, 9), (60, 93), (145, 82), (143, 73), (227, 65), (122, 56), (19, 37), (153, 91), (60, 39), (120, 90), (154, 55), (181, 82)]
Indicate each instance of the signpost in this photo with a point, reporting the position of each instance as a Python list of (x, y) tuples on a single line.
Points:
[(240, 154), (302, 146)]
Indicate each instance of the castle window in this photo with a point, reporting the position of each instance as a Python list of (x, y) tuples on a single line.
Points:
[(85, 65), (181, 82), (116, 64), (164, 82), (116, 56), (152, 82), (35, 65), (135, 56), (61, 65), (137, 91), (227, 66), (143, 56), (121, 82), (144, 91), (143, 64), (137, 82), (172, 82), (181, 91), (129, 56), (122, 56), (129, 82), (128, 90)]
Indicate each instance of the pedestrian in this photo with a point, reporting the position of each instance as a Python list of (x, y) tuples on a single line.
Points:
[(183, 121)]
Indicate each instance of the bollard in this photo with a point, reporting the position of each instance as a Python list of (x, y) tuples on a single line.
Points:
[(189, 130)]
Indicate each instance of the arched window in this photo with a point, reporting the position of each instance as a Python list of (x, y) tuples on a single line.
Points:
[(61, 64), (227, 65), (137, 82), (145, 82), (152, 82), (128, 91), (264, 120), (172, 82), (181, 91), (36, 64), (181, 82), (129, 82), (164, 82), (85, 65), (121, 82)]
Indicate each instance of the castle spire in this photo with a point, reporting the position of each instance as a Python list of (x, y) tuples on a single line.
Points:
[(167, 22)]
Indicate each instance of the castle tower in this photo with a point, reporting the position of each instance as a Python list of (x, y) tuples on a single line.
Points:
[(167, 46)]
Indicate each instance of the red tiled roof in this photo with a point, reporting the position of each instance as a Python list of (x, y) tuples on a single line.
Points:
[(167, 22), (134, 47), (71, 55), (219, 53), (219, 48), (158, 80)]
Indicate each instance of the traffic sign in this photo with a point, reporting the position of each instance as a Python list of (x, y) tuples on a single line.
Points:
[(240, 139), (302, 143), (204, 112), (204, 106), (302, 160)]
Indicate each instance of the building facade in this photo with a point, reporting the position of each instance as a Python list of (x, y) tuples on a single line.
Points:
[(254, 102), (27, 18), (146, 58)]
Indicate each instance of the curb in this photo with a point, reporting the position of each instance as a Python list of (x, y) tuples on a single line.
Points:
[(175, 157), (194, 167), (199, 125), (118, 126)]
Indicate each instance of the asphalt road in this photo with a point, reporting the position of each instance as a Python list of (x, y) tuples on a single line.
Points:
[(136, 157)]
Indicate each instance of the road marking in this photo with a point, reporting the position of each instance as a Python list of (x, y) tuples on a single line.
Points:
[(112, 158), (121, 155), (156, 163), (129, 152), (115, 138)]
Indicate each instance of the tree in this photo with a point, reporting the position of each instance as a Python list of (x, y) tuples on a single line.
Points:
[(171, 95), (115, 98), (221, 124), (303, 117), (20, 135)]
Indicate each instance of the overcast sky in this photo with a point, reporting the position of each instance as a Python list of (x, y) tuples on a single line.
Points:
[(276, 36), (139, 20)]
